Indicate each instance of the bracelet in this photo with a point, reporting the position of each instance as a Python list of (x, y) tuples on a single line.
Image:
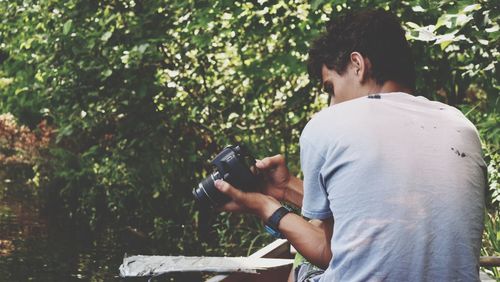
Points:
[(274, 220)]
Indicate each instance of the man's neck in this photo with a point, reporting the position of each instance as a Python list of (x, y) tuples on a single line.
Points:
[(387, 87), (374, 88), (392, 86)]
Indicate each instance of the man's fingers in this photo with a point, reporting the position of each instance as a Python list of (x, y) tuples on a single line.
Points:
[(232, 207), (270, 162), (227, 189)]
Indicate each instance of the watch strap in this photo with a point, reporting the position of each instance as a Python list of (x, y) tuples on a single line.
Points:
[(274, 220)]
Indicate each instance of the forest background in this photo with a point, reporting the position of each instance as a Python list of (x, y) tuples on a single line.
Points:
[(111, 110)]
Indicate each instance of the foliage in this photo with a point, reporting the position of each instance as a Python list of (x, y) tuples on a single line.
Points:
[(21, 149), (491, 240), (144, 93), (20, 145)]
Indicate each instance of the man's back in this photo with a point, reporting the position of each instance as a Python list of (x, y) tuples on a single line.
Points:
[(404, 179)]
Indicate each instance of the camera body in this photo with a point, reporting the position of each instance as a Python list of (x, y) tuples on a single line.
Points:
[(234, 165)]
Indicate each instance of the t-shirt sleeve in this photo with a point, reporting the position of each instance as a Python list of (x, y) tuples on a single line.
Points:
[(315, 204)]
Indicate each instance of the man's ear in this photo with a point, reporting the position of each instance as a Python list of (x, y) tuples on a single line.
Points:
[(360, 66)]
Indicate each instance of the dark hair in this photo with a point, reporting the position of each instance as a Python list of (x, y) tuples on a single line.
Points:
[(375, 34)]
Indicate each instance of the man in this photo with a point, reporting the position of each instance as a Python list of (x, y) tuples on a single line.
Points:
[(394, 184)]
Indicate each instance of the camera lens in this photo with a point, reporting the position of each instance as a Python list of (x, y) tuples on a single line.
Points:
[(207, 194)]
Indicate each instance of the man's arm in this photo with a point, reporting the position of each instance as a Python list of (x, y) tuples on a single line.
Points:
[(311, 239)]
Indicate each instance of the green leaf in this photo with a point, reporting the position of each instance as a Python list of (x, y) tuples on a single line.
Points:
[(494, 28), (445, 39), (412, 25), (20, 90), (106, 36), (425, 35), (67, 26), (316, 3), (473, 7), (418, 9), (143, 48), (107, 73), (444, 20), (5, 81)]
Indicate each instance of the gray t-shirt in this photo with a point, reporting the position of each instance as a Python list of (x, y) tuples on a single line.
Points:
[(404, 179)]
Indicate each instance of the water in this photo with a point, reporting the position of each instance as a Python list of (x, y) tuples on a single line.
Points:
[(33, 247)]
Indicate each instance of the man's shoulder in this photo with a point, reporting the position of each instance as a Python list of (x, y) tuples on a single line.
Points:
[(319, 125)]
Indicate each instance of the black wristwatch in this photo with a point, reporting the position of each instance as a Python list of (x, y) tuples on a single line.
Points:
[(274, 220)]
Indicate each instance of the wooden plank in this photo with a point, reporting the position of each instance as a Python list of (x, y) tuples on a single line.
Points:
[(278, 249), (489, 261)]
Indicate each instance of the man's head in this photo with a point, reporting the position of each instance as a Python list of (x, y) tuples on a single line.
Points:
[(362, 52)]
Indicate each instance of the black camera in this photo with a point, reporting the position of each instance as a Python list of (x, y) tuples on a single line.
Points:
[(234, 165)]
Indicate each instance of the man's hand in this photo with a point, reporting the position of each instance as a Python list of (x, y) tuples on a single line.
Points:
[(276, 176), (249, 202), (279, 183)]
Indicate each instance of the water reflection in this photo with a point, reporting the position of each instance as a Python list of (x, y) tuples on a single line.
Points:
[(35, 246), (32, 248)]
